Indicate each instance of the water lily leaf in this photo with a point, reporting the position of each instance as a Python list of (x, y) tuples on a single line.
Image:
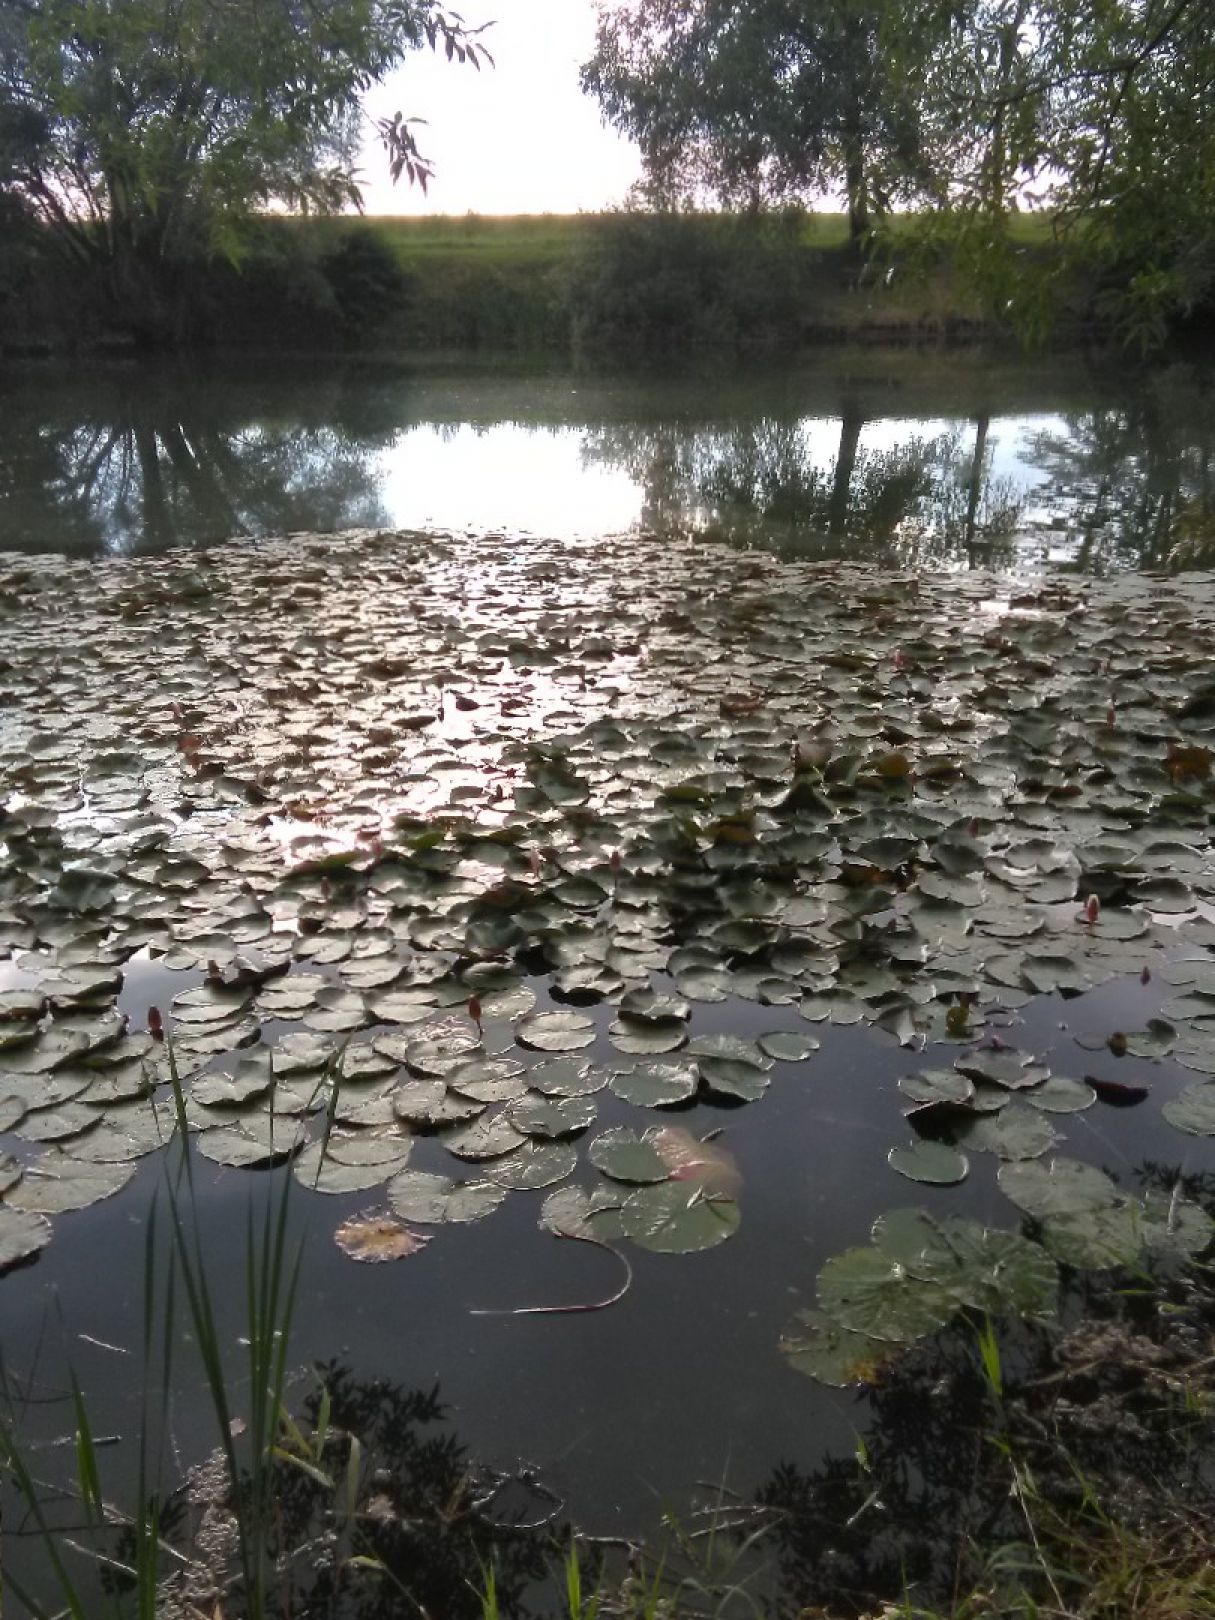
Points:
[(253, 1142), (250, 1083), (1011, 1069), (54, 1124), (646, 1005), (487, 1137), (551, 1117), (626, 1156), (1172, 1225), (1059, 1095), (1062, 1187), (655, 1085), (1096, 1239), (21, 1005), (678, 1217), (567, 1077), (376, 1238), (555, 1031), (1016, 1132), (430, 1200), (1193, 1111), (937, 1086), (336, 1009), (209, 1004), (1156, 1041), (441, 1053), (864, 1290), (574, 1212), (934, 1162), (58, 1182), (834, 1355), (300, 1052), (488, 1080), (349, 1164), (22, 1234), (535, 1164), (628, 1035), (787, 1045), (402, 1006), (10, 1172)]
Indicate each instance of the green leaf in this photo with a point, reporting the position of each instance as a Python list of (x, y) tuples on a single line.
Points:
[(678, 1217)]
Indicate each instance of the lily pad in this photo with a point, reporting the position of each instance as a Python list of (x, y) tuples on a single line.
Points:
[(678, 1217), (626, 1156), (551, 1117), (1193, 1111), (834, 1355), (656, 1084), (535, 1164), (555, 1031), (377, 1238), (934, 1162), (56, 1182), (22, 1234), (431, 1200)]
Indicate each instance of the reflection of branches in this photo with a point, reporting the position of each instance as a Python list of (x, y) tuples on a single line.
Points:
[(1138, 477), (185, 461)]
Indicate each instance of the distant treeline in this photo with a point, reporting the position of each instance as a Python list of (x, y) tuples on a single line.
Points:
[(632, 282)]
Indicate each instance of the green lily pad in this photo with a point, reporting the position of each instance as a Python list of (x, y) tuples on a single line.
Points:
[(678, 1217), (937, 1086), (626, 1156), (788, 1045), (430, 1103), (349, 1164), (535, 1164), (1059, 1095), (566, 1077), (821, 1348), (487, 1137), (488, 1080), (555, 1031), (1193, 1111), (656, 1084), (934, 1162), (415, 1195), (629, 1035), (22, 1234), (864, 1290), (574, 1212), (1016, 1132), (551, 1117), (1062, 1187), (58, 1182)]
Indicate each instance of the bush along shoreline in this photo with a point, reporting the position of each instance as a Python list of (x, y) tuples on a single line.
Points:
[(626, 283)]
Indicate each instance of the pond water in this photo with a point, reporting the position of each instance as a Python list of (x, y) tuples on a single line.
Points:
[(946, 460), (849, 803)]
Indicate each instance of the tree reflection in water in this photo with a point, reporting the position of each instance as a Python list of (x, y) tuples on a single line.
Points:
[(158, 459)]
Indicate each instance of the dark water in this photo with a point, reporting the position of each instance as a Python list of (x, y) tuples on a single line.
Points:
[(942, 459)]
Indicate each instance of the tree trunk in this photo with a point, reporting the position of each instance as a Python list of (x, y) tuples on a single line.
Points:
[(975, 489)]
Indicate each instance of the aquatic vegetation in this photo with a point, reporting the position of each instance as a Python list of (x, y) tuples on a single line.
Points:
[(425, 802)]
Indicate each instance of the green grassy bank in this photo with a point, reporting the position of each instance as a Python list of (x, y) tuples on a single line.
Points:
[(616, 282)]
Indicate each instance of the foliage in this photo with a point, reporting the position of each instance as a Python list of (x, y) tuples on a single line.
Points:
[(759, 104), (141, 135), (1100, 113)]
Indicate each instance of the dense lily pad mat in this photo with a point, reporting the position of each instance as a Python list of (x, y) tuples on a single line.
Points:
[(369, 792)]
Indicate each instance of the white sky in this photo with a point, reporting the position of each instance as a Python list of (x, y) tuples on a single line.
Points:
[(518, 138)]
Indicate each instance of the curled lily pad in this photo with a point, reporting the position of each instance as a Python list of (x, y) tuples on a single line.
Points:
[(1008, 1068), (22, 1234), (535, 1164), (626, 1156), (824, 1350), (655, 1084), (556, 1031), (678, 1217), (551, 1117), (415, 1195), (934, 1162)]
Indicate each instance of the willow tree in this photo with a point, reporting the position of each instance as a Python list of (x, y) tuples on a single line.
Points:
[(141, 135), (765, 102)]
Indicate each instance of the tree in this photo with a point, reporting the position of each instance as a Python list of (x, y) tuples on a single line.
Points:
[(141, 135), (763, 102)]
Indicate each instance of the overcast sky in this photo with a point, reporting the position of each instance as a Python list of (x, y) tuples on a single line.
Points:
[(517, 138)]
